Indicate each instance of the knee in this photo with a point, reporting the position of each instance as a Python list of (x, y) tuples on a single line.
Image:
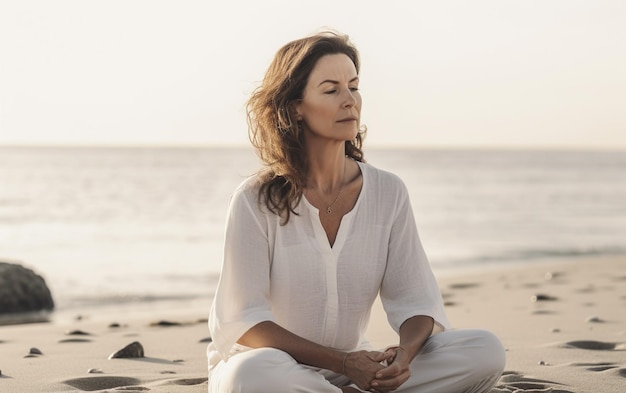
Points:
[(491, 356), (255, 370)]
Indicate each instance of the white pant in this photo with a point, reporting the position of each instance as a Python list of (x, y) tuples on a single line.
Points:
[(455, 361)]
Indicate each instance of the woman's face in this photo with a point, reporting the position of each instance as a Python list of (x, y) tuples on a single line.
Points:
[(330, 107)]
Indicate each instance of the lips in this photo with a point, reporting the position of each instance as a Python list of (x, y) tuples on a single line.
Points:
[(346, 120)]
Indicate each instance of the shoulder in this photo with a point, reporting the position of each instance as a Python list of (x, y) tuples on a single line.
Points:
[(383, 180), (246, 194)]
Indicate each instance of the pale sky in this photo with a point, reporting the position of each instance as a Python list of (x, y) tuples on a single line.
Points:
[(497, 73)]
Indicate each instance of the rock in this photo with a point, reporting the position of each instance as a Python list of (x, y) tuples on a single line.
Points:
[(594, 319), (35, 351), (114, 325), (77, 333), (165, 323), (94, 371), (540, 297), (132, 350), (206, 340), (22, 290)]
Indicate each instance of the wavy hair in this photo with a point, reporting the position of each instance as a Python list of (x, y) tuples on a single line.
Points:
[(277, 138)]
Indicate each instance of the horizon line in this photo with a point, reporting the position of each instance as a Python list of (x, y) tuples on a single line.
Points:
[(378, 146)]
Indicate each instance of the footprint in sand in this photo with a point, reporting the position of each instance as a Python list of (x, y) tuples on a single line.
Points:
[(595, 345), (188, 381), (512, 381), (600, 367), (596, 367), (89, 384)]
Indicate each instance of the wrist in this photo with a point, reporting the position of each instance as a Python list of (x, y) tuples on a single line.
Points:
[(343, 363)]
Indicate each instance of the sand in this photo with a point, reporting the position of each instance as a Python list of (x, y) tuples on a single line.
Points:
[(563, 325)]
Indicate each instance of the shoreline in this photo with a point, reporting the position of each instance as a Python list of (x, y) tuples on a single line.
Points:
[(573, 341)]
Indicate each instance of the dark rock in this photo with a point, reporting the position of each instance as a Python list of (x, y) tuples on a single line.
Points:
[(94, 371), (22, 290), (114, 325), (132, 350), (35, 351), (77, 333), (540, 297), (165, 323), (206, 340)]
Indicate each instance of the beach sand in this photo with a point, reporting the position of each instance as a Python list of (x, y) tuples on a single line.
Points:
[(563, 325)]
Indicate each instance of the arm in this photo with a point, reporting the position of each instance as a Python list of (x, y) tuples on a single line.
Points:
[(413, 333), (269, 334), (361, 367)]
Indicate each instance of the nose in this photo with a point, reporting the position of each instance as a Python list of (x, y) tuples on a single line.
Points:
[(349, 99)]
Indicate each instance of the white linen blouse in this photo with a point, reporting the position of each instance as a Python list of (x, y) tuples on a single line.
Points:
[(289, 274)]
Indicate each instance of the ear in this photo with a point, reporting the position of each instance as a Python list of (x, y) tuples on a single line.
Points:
[(295, 110)]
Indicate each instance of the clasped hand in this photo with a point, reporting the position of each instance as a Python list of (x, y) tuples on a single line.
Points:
[(378, 371)]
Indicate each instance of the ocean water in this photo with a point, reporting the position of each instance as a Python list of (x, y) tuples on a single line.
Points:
[(112, 226)]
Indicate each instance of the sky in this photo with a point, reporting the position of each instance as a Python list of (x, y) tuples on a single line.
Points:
[(462, 74)]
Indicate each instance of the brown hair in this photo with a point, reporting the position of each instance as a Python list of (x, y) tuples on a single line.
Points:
[(276, 136)]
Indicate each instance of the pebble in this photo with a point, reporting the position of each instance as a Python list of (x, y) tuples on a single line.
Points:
[(165, 323), (94, 371), (543, 363), (555, 330), (132, 350), (206, 340), (593, 320), (77, 333), (114, 325), (540, 297), (35, 351)]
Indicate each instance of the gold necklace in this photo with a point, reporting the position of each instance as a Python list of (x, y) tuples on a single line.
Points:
[(329, 208)]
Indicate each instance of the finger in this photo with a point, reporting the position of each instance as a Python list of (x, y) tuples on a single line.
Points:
[(388, 372), (378, 357), (390, 383)]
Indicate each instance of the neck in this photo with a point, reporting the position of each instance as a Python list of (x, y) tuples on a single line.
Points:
[(327, 168)]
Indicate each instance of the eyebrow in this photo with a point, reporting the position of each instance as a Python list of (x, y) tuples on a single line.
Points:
[(355, 79)]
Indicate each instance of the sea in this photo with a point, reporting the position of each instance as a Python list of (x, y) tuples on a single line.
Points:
[(143, 226)]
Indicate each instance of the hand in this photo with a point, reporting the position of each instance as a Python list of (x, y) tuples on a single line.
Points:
[(361, 367), (395, 374)]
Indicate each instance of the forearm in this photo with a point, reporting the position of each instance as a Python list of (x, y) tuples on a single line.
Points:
[(414, 332), (269, 334)]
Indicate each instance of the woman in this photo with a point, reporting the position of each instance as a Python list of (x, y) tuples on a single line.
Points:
[(311, 241)]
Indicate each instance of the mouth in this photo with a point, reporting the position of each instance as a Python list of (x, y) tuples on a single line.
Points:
[(346, 120)]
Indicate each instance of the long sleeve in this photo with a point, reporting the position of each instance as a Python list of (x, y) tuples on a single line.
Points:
[(409, 287), (242, 296)]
